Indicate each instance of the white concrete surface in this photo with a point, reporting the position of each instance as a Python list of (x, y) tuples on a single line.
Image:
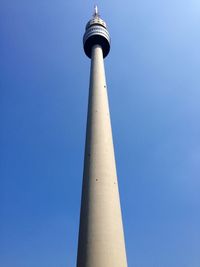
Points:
[(101, 237)]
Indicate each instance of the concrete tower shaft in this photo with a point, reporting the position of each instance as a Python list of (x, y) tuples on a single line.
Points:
[(101, 238)]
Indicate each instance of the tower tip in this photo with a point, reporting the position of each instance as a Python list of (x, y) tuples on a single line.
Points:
[(96, 11)]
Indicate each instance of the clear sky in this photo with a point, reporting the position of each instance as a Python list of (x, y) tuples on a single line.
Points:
[(153, 77)]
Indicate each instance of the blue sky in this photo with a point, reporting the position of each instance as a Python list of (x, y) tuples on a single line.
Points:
[(153, 77)]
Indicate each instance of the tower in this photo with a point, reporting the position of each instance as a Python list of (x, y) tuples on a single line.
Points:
[(101, 238)]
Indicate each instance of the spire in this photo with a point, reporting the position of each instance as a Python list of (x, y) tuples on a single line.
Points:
[(96, 11)]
